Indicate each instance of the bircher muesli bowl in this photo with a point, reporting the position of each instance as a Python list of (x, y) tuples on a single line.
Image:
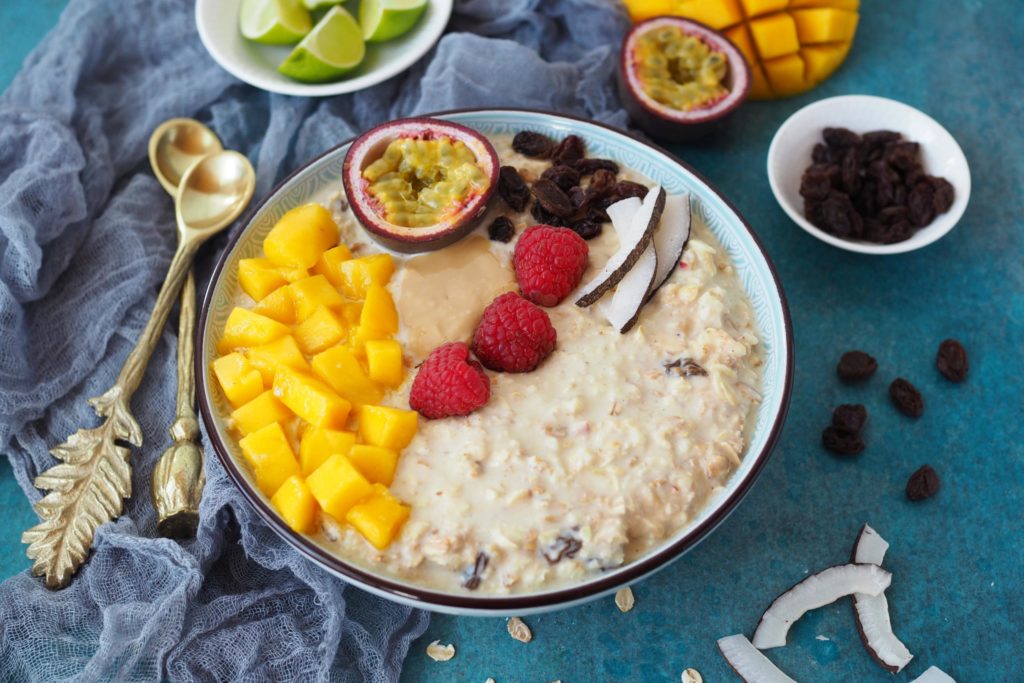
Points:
[(640, 425)]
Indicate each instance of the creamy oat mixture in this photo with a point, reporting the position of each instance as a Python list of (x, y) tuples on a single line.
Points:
[(588, 462)]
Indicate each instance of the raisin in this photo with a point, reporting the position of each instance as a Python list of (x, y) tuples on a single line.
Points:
[(924, 483), (815, 185), (685, 367), (839, 216), (473, 574), (850, 417), (842, 441), (597, 214), (856, 365), (566, 545), (512, 188), (879, 138), (501, 230), (544, 217), (952, 360), (875, 230), (627, 188), (579, 197), (903, 155), (602, 182), (897, 232), (920, 204), (568, 151), (892, 214), (821, 154), (914, 176), (906, 397), (565, 177), (850, 169), (552, 198), (942, 200), (899, 195), (587, 229), (532, 144), (588, 166), (839, 138)]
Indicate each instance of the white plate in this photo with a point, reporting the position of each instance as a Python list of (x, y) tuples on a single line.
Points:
[(790, 154), (217, 21)]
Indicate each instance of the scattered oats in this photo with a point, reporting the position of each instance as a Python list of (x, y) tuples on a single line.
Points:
[(518, 629), (624, 599), (692, 676), (439, 652)]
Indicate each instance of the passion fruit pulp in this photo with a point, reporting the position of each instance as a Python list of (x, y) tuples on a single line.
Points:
[(419, 184)]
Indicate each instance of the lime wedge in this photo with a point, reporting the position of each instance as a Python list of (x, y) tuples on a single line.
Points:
[(386, 19), (333, 48), (320, 4), (274, 22)]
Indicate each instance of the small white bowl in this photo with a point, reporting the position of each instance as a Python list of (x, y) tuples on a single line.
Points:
[(217, 22), (790, 154)]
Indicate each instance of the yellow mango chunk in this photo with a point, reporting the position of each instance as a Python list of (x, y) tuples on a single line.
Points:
[(283, 352), (277, 306), (384, 360), (359, 335), (259, 412), (376, 463), (339, 368), (774, 35), (359, 273), (717, 15), (755, 8), (239, 380), (821, 60), (329, 263), (379, 312), (337, 485), (380, 518), (296, 505), (258, 277), (319, 331), (825, 25), (292, 274), (246, 329), (350, 312), (310, 293), (271, 457), (318, 444), (786, 74), (300, 236), (389, 427), (311, 399)]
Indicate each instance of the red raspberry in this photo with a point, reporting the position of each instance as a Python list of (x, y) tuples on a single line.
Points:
[(549, 263), (448, 383), (513, 335)]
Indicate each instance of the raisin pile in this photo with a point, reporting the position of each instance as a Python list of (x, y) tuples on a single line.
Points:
[(843, 435), (871, 187)]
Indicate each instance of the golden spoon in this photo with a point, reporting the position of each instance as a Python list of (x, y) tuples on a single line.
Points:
[(178, 478), (89, 487)]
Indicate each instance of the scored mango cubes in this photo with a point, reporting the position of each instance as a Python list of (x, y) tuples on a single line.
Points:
[(380, 518), (296, 504), (311, 399), (300, 236), (389, 427), (239, 380), (337, 485), (271, 456), (318, 444)]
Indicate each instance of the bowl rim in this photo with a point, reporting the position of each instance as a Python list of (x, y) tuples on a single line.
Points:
[(939, 227), (489, 604)]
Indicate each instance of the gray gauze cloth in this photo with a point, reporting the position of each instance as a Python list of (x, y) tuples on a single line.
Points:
[(86, 236)]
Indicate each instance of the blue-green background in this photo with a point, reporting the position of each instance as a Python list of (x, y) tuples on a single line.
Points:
[(956, 597)]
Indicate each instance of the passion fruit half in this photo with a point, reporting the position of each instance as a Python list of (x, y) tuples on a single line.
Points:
[(680, 79), (419, 184)]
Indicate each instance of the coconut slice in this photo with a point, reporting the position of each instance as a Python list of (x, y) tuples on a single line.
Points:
[(748, 662), (872, 611), (671, 237), (621, 213), (934, 675), (623, 309), (817, 590), (639, 237)]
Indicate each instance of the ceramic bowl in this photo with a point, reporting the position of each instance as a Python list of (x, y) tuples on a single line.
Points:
[(217, 22), (321, 177), (790, 154)]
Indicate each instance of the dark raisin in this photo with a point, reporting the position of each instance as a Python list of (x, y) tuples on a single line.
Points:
[(875, 230), (685, 367), (501, 230), (850, 416), (899, 195), (898, 232), (588, 166), (920, 204), (542, 216), (565, 177), (914, 176), (532, 144), (568, 151), (552, 198), (856, 365), (627, 188), (821, 154), (892, 214), (588, 230), (906, 397), (902, 155), (602, 182), (839, 138), (473, 574), (579, 197), (842, 441), (943, 197), (850, 169), (566, 545), (815, 185), (512, 188), (597, 214), (839, 216), (924, 483), (952, 360), (880, 138)]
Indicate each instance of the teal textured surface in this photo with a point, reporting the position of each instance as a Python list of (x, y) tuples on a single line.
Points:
[(956, 594)]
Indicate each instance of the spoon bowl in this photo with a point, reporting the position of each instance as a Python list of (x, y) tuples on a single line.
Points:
[(177, 144), (213, 192)]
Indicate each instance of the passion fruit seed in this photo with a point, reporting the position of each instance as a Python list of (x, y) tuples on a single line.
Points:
[(679, 70), (420, 183)]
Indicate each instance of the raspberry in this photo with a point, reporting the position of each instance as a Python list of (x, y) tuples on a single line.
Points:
[(513, 335), (549, 263), (448, 383)]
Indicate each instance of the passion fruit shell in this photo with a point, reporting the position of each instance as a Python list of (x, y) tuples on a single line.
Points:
[(461, 218), (673, 125)]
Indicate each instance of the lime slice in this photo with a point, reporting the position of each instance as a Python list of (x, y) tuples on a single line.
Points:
[(274, 22), (320, 4), (386, 19), (333, 48)]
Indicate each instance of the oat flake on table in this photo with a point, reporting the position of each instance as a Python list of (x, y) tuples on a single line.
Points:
[(692, 676), (624, 599), (518, 629), (439, 652)]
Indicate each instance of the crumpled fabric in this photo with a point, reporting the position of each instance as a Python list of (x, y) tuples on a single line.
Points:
[(86, 236)]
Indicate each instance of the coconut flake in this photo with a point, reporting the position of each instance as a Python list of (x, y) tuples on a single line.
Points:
[(671, 237), (934, 675), (872, 611), (439, 652), (817, 590), (623, 309), (750, 664), (621, 214)]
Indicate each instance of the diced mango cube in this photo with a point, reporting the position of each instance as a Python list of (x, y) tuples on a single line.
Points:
[(821, 60), (825, 25), (259, 412), (277, 305), (246, 329), (717, 15), (319, 331), (296, 504), (318, 444), (375, 462), (311, 399), (389, 427), (329, 263), (380, 518), (283, 352), (337, 485), (786, 74), (351, 311), (342, 371), (359, 335), (300, 236), (268, 451), (293, 274), (379, 312), (755, 8), (258, 277), (775, 35), (359, 273), (310, 293), (384, 360), (239, 380)]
